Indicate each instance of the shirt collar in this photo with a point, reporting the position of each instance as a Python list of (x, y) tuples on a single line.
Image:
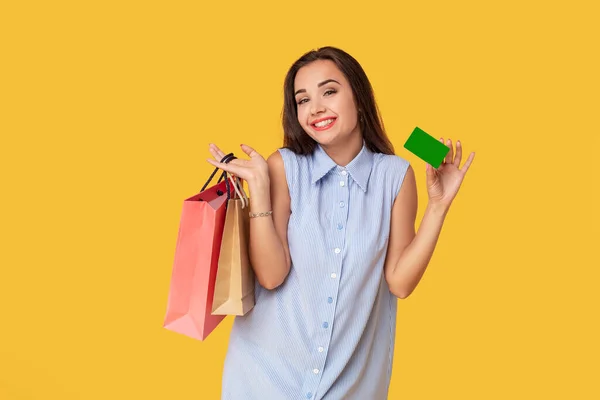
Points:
[(359, 168)]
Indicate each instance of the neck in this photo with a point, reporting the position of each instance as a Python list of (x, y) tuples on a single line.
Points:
[(345, 152)]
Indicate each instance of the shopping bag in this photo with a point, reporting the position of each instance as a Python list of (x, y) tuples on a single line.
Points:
[(234, 287), (196, 259)]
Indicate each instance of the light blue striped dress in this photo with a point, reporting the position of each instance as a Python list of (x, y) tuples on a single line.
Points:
[(328, 331)]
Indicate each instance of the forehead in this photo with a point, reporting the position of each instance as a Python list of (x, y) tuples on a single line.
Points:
[(310, 75)]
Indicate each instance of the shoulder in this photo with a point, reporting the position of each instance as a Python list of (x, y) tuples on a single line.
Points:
[(287, 155), (287, 163), (392, 164), (275, 159), (393, 169), (281, 158), (391, 161)]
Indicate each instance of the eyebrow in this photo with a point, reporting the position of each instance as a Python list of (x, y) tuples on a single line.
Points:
[(319, 85)]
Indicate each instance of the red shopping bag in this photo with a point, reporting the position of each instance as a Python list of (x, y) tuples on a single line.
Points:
[(197, 250)]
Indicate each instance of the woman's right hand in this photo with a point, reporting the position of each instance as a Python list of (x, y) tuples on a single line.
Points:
[(255, 171)]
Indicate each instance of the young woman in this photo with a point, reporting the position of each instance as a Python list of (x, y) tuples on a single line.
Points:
[(332, 241)]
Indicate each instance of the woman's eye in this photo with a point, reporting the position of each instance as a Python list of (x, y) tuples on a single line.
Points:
[(328, 92)]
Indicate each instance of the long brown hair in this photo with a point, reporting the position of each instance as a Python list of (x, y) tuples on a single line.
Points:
[(371, 123)]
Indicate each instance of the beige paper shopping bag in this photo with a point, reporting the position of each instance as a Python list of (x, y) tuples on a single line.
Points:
[(234, 286)]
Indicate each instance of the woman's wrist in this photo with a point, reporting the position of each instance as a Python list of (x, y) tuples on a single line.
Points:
[(259, 183), (260, 195), (437, 208)]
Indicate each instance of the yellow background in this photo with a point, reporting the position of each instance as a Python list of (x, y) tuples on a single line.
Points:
[(107, 109)]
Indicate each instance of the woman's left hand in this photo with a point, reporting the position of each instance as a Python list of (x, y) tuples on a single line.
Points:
[(443, 182)]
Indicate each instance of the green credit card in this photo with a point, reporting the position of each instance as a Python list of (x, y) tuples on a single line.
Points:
[(426, 147)]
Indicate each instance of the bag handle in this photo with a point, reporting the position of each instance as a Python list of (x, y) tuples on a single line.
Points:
[(225, 160), (238, 186)]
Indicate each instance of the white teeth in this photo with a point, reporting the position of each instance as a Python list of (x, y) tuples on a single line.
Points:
[(324, 123)]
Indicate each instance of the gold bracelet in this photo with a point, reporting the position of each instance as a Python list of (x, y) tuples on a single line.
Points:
[(260, 214)]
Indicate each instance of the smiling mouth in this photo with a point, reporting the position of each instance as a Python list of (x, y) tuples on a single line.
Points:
[(324, 125)]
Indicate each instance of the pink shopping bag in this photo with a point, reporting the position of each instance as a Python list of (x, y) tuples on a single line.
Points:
[(194, 270)]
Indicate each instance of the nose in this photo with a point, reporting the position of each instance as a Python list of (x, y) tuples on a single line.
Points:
[(316, 108)]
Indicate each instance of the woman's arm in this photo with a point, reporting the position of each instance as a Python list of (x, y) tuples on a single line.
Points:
[(410, 253), (269, 251)]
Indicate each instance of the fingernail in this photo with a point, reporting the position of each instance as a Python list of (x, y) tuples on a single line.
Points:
[(458, 142)]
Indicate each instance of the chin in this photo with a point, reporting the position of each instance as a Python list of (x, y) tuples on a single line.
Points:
[(326, 140), (334, 140)]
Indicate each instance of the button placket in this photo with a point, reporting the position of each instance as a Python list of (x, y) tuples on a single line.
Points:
[(338, 224), (340, 215)]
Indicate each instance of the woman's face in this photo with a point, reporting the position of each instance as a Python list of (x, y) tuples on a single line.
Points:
[(325, 103)]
